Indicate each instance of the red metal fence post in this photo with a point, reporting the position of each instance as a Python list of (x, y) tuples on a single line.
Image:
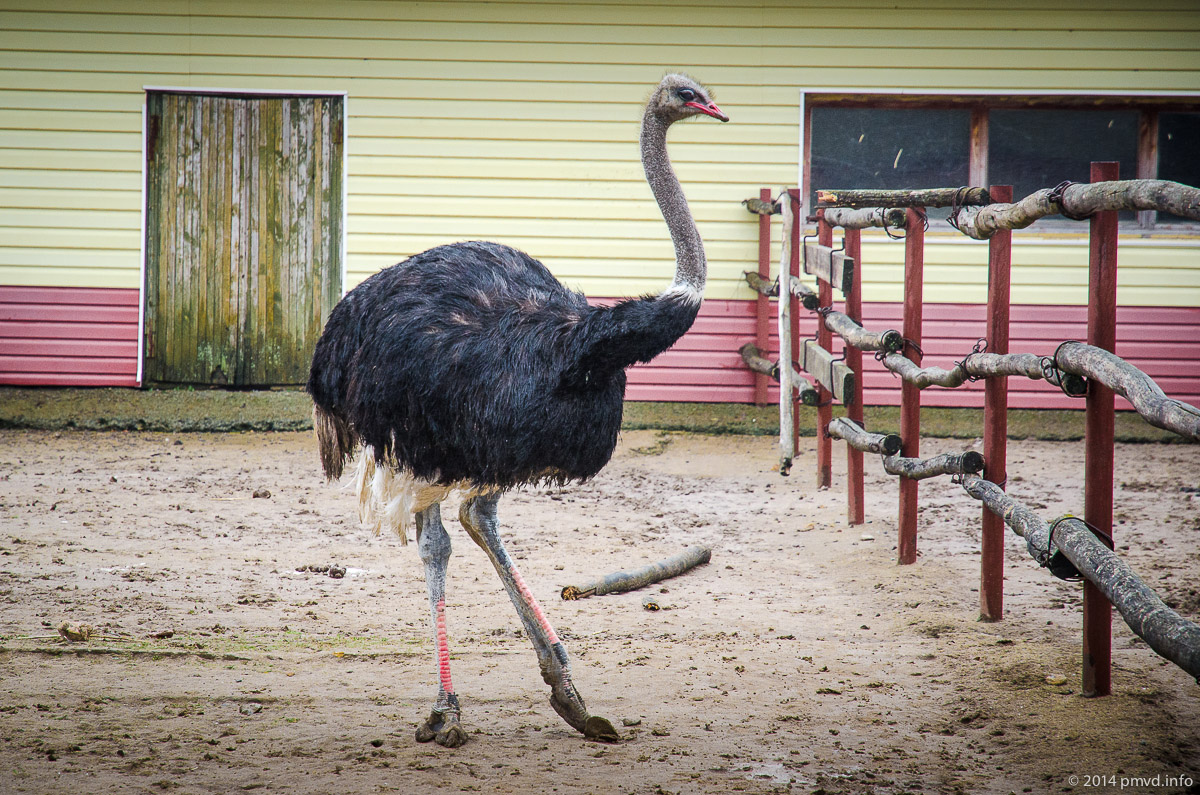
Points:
[(854, 410), (794, 193), (910, 396), (995, 416), (1098, 439), (825, 340), (762, 303)]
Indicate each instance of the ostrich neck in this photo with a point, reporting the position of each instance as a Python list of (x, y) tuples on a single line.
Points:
[(691, 268)]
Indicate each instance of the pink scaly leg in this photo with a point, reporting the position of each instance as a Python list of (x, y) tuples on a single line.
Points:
[(433, 545), (478, 516)]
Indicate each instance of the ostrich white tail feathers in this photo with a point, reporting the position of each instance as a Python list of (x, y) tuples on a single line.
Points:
[(390, 498)]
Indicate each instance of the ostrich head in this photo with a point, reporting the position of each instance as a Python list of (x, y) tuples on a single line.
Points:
[(680, 97)]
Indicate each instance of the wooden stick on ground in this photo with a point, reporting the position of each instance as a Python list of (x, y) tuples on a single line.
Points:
[(622, 581)]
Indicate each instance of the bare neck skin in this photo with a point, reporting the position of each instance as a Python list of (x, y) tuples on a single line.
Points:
[(691, 268)]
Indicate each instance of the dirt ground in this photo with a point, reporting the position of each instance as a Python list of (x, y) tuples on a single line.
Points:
[(801, 658)]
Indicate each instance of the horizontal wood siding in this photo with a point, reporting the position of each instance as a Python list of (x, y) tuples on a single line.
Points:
[(705, 365), (517, 121), (67, 336)]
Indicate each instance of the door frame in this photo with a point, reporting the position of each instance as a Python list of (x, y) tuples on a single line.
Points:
[(238, 92)]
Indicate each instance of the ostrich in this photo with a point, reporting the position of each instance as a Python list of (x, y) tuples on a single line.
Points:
[(469, 368)]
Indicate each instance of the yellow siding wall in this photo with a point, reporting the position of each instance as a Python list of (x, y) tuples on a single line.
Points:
[(518, 121)]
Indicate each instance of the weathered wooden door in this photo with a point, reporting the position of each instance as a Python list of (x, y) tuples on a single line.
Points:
[(243, 236)]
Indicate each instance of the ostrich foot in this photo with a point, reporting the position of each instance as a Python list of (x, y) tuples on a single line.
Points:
[(570, 708), (443, 727), (598, 728)]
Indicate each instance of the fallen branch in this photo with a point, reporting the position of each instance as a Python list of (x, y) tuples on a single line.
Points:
[(930, 197), (967, 463), (1132, 384), (867, 217), (1168, 633), (1078, 201), (854, 435), (622, 581)]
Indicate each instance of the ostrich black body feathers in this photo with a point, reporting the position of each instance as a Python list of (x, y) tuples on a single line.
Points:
[(471, 362)]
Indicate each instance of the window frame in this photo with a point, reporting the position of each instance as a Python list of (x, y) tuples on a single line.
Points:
[(1148, 104)]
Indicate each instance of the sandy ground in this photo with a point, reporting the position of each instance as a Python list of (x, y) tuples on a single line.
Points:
[(802, 658)]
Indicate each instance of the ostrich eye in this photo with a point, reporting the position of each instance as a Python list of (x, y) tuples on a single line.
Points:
[(687, 95)]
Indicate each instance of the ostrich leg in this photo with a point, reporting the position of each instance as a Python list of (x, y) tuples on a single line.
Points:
[(478, 517), (433, 545)]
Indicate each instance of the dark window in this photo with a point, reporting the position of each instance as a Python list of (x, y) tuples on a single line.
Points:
[(885, 141), (1178, 152), (888, 148), (1034, 149)]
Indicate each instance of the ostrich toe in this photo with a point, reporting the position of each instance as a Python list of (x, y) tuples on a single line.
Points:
[(598, 728), (569, 706), (443, 727)]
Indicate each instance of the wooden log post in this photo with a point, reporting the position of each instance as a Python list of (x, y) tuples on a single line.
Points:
[(825, 341), (1098, 435), (855, 508), (910, 396), (995, 417), (762, 304), (794, 256), (788, 440)]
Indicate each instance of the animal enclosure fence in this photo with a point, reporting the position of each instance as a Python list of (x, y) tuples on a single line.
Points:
[(1069, 547)]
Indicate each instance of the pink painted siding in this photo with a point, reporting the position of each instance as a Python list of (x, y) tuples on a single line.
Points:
[(60, 336), (705, 366), (68, 336)]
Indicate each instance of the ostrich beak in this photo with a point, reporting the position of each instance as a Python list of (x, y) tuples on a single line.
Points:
[(710, 109)]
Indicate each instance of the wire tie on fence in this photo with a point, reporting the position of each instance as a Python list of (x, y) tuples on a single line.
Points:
[(956, 206), (1059, 564), (909, 343), (887, 230), (979, 347), (1059, 372), (1057, 195)]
